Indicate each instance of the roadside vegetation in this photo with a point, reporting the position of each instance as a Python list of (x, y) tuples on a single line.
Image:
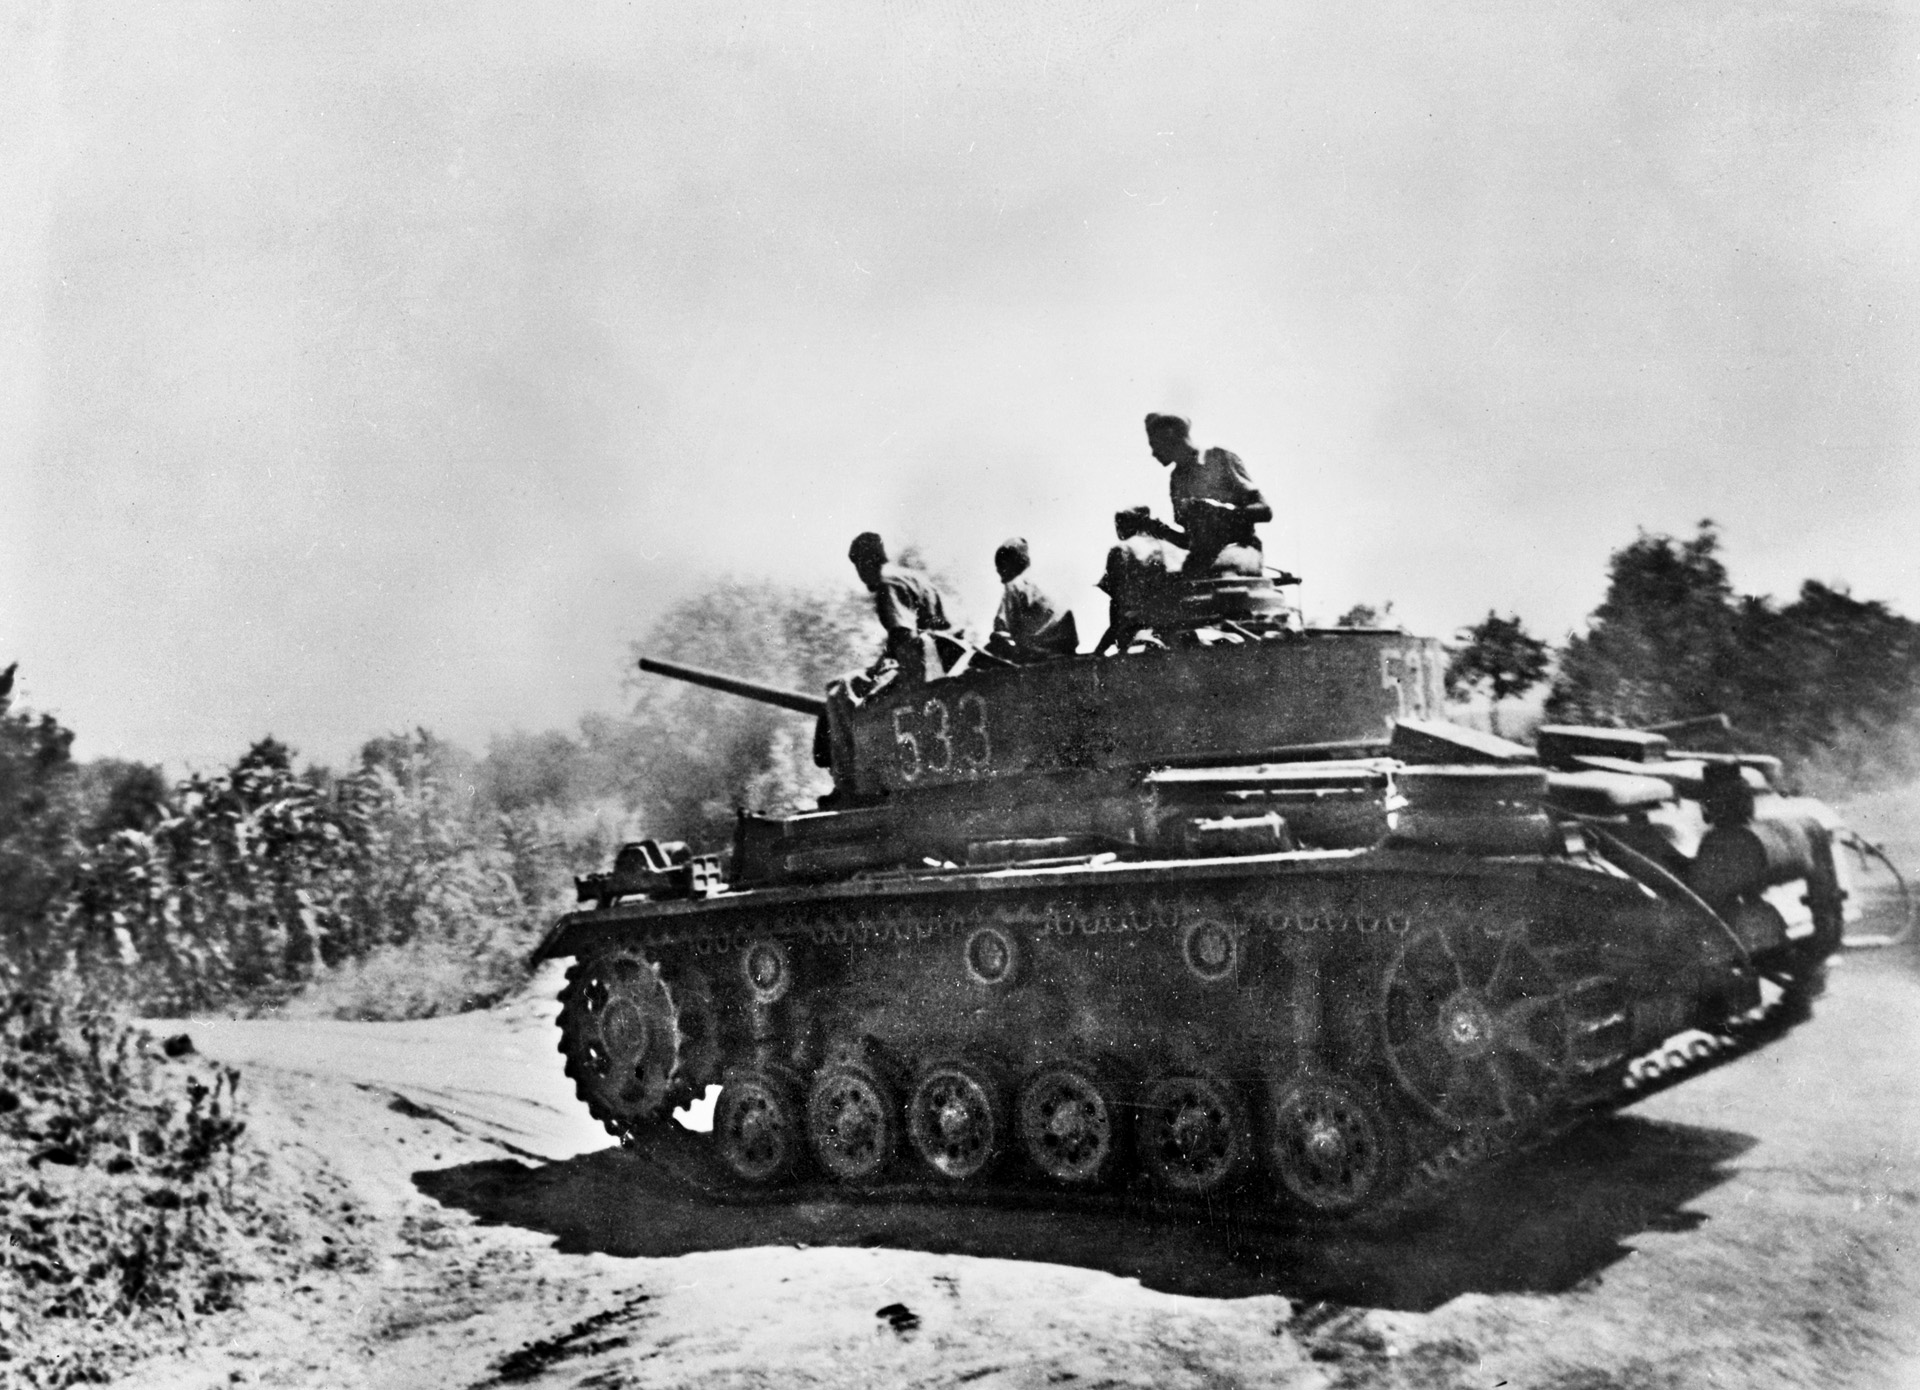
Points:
[(416, 882), (120, 1221), (1829, 682), (412, 884), (119, 1217)]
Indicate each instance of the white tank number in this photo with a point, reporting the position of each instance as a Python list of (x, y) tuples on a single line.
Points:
[(1403, 672), (930, 737)]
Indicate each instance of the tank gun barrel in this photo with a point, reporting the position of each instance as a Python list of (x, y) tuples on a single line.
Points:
[(733, 685)]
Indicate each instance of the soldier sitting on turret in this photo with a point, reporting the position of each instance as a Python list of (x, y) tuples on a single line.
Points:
[(907, 606), (1028, 626), (1213, 500), (1137, 582)]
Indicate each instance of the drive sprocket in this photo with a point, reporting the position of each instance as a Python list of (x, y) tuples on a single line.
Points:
[(620, 1031)]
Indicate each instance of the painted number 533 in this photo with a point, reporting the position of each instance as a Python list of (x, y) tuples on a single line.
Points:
[(935, 737), (1405, 674)]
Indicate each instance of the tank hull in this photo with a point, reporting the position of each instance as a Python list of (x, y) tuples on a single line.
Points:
[(1319, 1033), (1235, 921)]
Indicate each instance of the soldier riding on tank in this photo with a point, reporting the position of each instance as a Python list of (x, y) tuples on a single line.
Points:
[(1136, 582), (1029, 625), (1215, 504), (911, 612), (908, 607)]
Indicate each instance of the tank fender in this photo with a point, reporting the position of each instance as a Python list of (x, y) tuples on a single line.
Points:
[(566, 937)]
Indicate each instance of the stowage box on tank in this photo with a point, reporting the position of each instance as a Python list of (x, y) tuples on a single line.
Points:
[(1239, 919)]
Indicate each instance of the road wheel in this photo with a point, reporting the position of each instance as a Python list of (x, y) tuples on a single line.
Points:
[(758, 1125), (1069, 1124), (853, 1124), (1332, 1148), (1193, 1135), (957, 1118)]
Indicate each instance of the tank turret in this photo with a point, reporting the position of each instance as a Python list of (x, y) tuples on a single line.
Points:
[(998, 762)]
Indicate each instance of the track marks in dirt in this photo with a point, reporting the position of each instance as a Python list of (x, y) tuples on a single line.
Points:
[(405, 1105), (592, 1336)]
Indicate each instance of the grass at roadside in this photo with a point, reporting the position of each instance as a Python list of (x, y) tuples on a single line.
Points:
[(422, 979), (120, 1220)]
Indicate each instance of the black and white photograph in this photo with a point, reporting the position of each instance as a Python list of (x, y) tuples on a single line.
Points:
[(1169, 694)]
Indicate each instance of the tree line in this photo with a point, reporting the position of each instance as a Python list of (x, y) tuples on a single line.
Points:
[(1829, 682), (423, 874), (418, 880)]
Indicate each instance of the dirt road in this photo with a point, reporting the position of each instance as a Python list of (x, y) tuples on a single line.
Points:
[(460, 1223)]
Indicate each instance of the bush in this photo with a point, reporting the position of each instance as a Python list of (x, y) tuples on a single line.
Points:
[(256, 882), (117, 1208), (39, 842), (422, 979)]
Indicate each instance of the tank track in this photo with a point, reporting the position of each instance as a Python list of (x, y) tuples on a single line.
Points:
[(683, 1160), (1435, 1157)]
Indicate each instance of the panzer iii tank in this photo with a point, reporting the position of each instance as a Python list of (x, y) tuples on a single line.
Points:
[(1234, 919)]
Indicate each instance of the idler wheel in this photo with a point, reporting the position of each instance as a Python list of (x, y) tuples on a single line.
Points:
[(1193, 1135), (1332, 1149), (619, 1031), (1477, 1025), (852, 1122), (957, 1118), (1069, 1124), (758, 1125)]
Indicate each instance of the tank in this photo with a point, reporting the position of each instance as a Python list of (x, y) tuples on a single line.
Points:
[(1238, 919)]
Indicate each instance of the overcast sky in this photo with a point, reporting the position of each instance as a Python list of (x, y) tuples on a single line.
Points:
[(372, 365)]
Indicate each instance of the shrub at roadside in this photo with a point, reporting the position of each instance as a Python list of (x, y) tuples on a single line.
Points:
[(39, 837), (257, 882), (118, 1216)]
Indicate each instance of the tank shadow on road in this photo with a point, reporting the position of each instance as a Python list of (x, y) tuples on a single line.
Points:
[(1540, 1225)]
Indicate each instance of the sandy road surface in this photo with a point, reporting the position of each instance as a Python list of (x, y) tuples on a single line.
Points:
[(463, 1225)]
